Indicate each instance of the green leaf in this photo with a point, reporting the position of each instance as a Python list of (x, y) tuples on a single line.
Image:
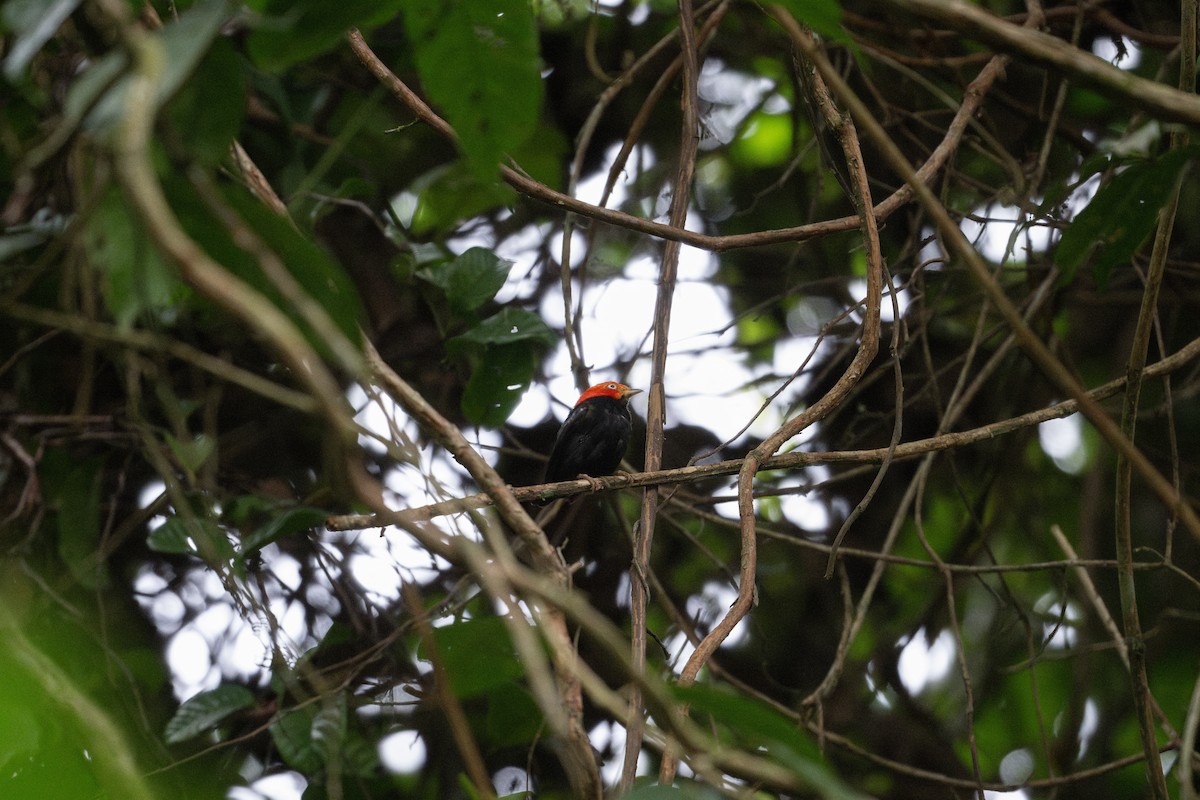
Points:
[(192, 454), (204, 711), (139, 280), (823, 16), (185, 41), (449, 194), (681, 790), (74, 489), (755, 724), (292, 521), (292, 733), (317, 273), (290, 31), (1121, 216), (497, 383), (512, 718), (477, 655), (209, 109), (471, 279), (765, 141), (313, 269), (508, 326), (191, 536), (479, 62), (329, 729)]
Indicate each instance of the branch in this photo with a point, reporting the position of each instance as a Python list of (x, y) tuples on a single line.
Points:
[(565, 717), (1035, 349), (1143, 699), (1158, 100), (794, 460), (868, 347), (517, 179)]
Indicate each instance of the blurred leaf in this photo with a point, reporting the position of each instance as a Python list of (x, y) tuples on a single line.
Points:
[(479, 62), (681, 790), (477, 655), (311, 267), (1121, 216), (139, 280), (449, 194), (191, 536), (360, 756), (756, 725), (171, 537), (59, 739), (823, 16), (208, 111), (185, 42), (34, 22), (292, 733), (204, 711), (293, 30), (74, 489), (329, 728), (500, 378), (541, 156), (512, 717), (316, 272), (508, 326), (471, 279), (286, 523), (765, 141), (192, 454)]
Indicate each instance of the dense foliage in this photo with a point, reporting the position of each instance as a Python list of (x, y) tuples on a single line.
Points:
[(294, 293)]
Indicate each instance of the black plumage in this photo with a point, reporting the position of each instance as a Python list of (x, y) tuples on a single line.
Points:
[(594, 436)]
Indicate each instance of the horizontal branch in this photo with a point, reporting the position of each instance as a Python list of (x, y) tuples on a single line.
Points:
[(536, 190), (1157, 99), (794, 460)]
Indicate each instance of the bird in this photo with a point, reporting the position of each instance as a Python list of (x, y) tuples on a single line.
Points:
[(593, 437)]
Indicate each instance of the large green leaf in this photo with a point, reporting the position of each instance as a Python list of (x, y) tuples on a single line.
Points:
[(208, 110), (823, 16), (74, 489), (204, 711), (479, 62), (316, 273), (508, 326), (497, 383), (185, 42), (1121, 216), (292, 734), (285, 523), (138, 279), (471, 279), (754, 724), (289, 31), (477, 655)]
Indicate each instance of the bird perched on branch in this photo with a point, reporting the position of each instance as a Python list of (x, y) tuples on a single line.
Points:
[(593, 438)]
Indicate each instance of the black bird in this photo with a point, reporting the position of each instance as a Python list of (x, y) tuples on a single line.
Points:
[(593, 438)]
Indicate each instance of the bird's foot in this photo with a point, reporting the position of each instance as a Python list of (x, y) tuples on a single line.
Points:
[(595, 483)]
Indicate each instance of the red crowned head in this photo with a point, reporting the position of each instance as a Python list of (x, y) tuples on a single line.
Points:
[(617, 391)]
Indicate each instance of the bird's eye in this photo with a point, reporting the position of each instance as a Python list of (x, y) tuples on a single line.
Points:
[(612, 386)]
